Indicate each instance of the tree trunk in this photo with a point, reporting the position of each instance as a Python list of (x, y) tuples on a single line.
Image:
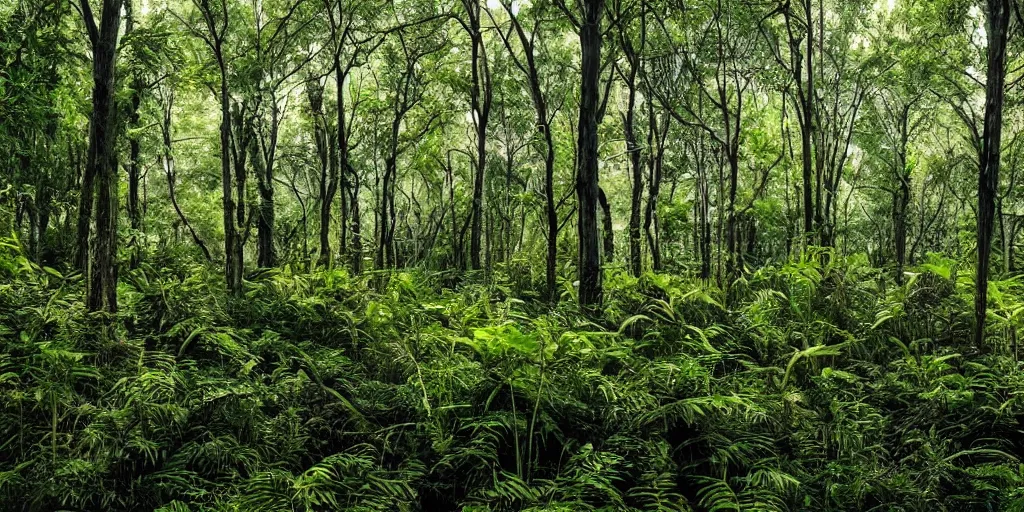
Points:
[(544, 127), (732, 247), (1004, 242), (807, 124), (590, 292), (85, 204), (704, 211), (266, 160), (357, 236), (636, 176), (102, 159), (607, 228), (134, 209), (244, 137), (265, 255), (480, 103), (998, 15), (655, 141), (329, 176), (232, 241), (902, 200), (43, 202)]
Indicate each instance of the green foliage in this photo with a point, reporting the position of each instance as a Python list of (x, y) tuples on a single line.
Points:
[(317, 392)]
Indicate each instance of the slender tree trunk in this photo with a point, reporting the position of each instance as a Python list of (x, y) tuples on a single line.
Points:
[(245, 132), (266, 253), (997, 22), (328, 167), (1004, 243), (350, 214), (85, 204), (544, 127), (329, 177), (590, 291), (636, 175), (704, 213), (1011, 266), (167, 162), (902, 199), (134, 209), (232, 241), (655, 141), (720, 221), (732, 244), (806, 127), (28, 206), (43, 201), (607, 227), (385, 249), (481, 95), (357, 236)]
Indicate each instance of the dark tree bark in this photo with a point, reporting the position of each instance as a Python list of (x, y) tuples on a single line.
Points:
[(656, 141), (385, 244), (134, 178), (134, 148), (807, 126), (327, 155), (701, 206), (607, 229), (85, 204), (357, 236), (233, 169), (629, 76), (264, 158), (329, 161), (213, 34), (589, 267), (481, 95), (102, 158), (901, 202), (997, 23)]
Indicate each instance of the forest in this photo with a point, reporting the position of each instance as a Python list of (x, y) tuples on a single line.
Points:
[(511, 255)]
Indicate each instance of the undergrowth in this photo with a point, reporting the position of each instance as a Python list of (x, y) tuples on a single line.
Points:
[(810, 386)]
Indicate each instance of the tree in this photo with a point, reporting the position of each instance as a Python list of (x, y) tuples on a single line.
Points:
[(657, 132), (900, 120), (408, 89), (529, 66), (720, 78), (212, 28), (100, 183), (587, 190), (481, 97), (798, 61), (278, 29), (997, 17), (633, 54)]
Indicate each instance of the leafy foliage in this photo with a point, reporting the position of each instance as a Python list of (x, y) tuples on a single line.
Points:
[(320, 391)]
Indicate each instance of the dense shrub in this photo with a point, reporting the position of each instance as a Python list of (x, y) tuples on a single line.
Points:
[(810, 386)]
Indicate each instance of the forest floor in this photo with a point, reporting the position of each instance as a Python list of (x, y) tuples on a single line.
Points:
[(815, 388)]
